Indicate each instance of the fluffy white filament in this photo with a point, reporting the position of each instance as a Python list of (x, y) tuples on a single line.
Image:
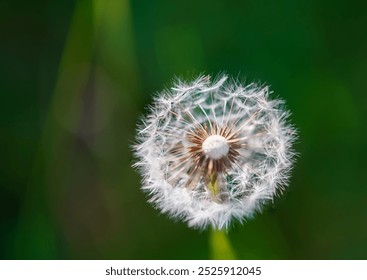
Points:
[(255, 136)]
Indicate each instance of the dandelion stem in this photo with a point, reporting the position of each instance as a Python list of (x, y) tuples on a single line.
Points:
[(220, 246), (213, 184)]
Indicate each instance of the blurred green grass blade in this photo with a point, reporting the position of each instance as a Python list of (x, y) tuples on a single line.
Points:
[(97, 71), (117, 93), (36, 234), (115, 48)]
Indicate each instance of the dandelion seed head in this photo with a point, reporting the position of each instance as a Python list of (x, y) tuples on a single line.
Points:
[(213, 151)]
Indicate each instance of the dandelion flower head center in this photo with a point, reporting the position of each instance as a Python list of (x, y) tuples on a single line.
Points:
[(215, 147)]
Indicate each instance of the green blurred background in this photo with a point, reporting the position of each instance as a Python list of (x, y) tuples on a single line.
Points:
[(77, 74)]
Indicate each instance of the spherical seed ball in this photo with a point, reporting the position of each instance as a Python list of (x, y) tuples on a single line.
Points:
[(210, 152), (215, 147)]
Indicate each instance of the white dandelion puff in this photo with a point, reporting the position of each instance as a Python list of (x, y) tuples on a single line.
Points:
[(210, 152)]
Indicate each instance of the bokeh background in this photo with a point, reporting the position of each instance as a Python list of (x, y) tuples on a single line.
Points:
[(75, 75)]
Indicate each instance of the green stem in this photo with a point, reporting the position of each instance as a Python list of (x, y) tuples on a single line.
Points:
[(213, 185), (220, 246)]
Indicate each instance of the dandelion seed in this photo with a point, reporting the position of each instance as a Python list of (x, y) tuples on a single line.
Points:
[(210, 152)]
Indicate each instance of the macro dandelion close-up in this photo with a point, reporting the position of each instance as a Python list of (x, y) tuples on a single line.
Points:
[(211, 151), (182, 130)]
